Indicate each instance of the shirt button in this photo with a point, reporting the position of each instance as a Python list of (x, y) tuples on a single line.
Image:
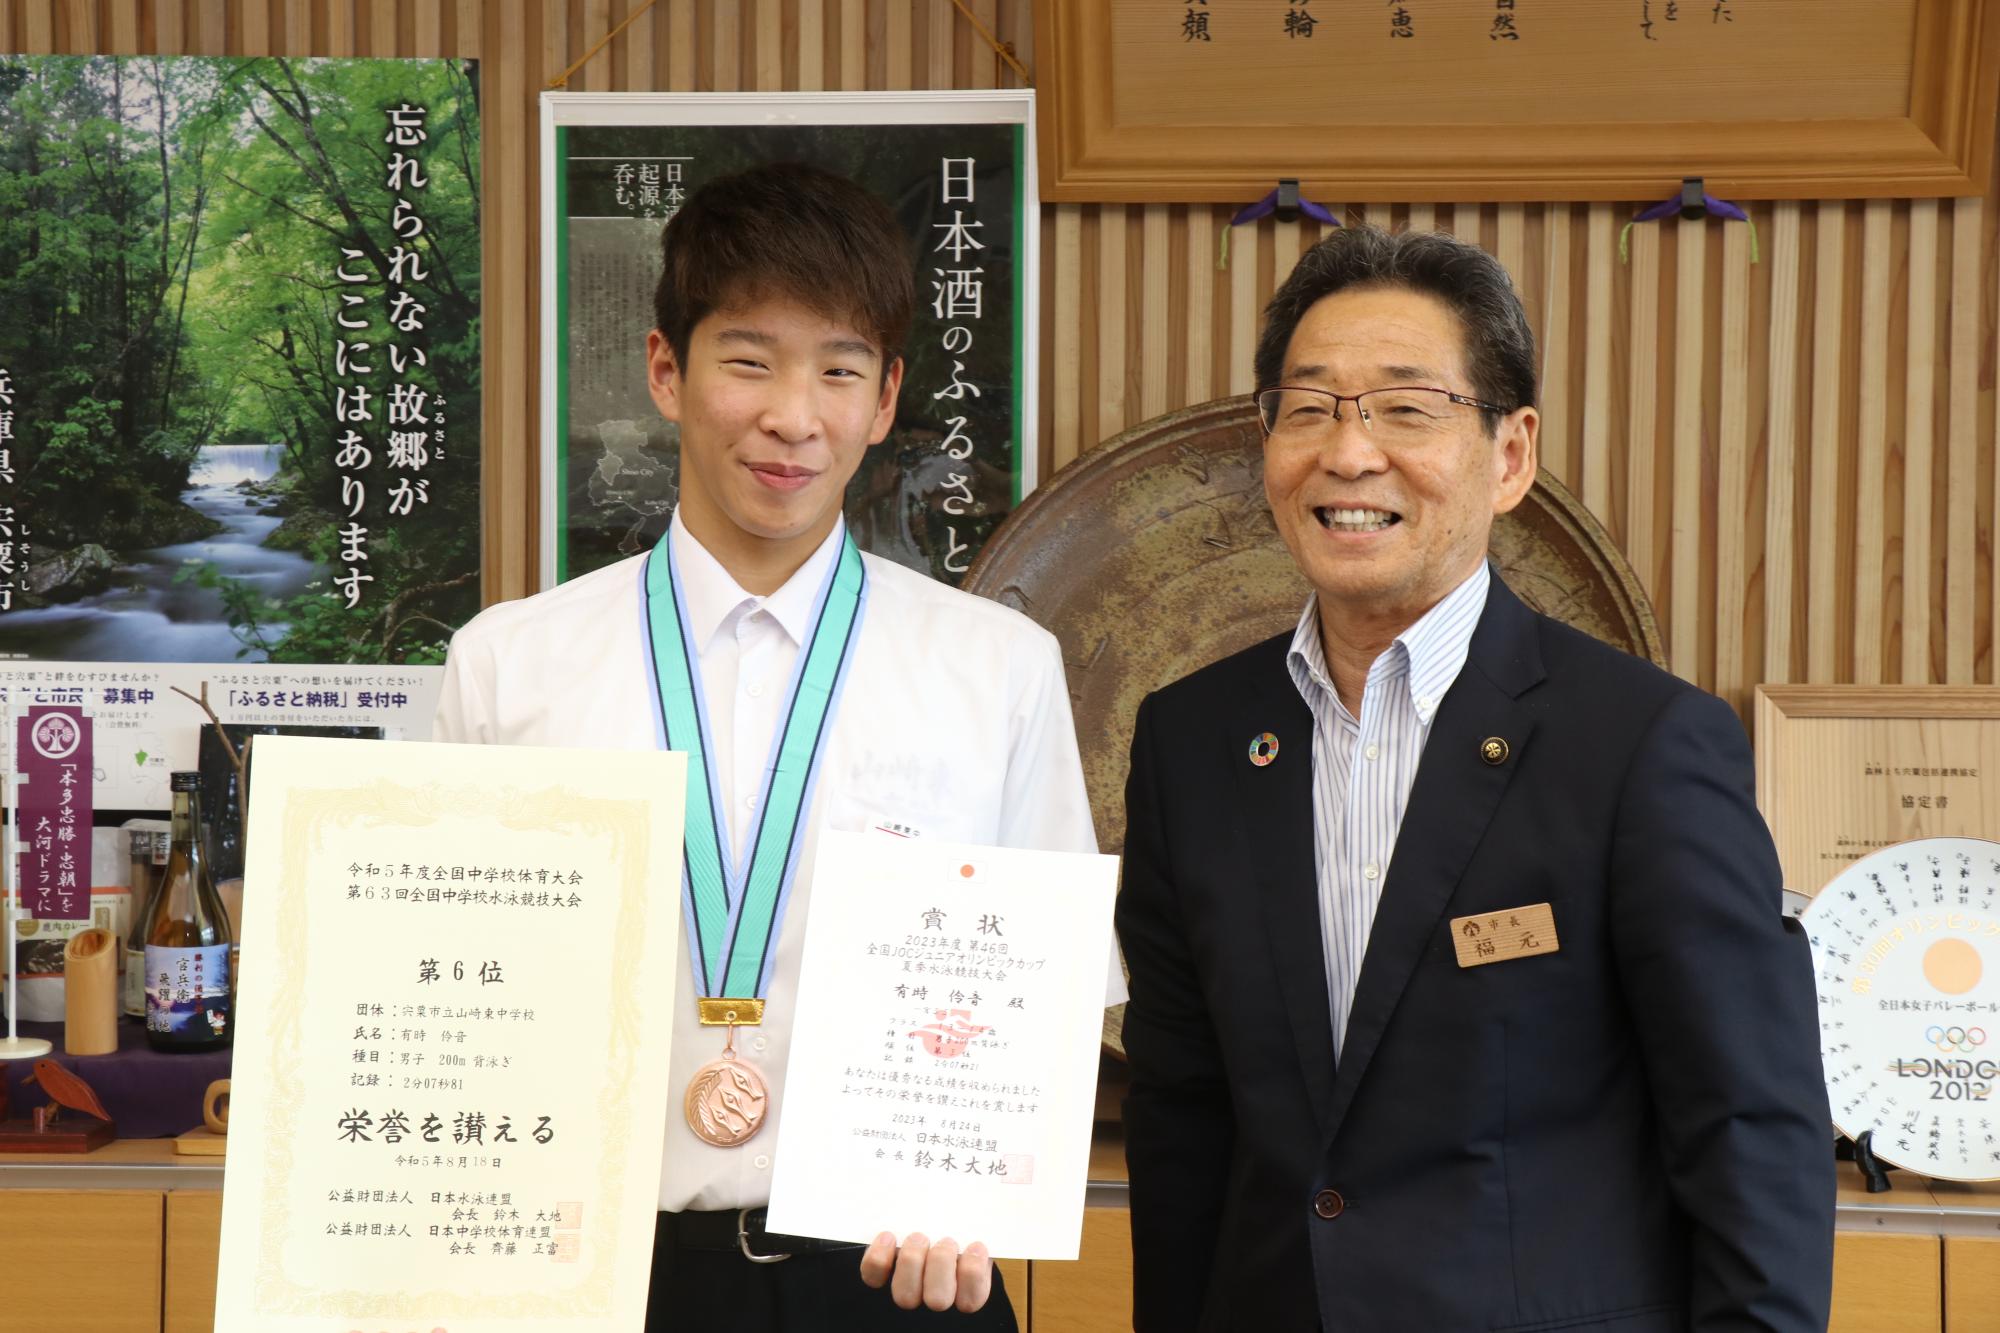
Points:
[(1328, 1204), (749, 802), (761, 1162), (757, 691), (1372, 751), (760, 1044), (1370, 871)]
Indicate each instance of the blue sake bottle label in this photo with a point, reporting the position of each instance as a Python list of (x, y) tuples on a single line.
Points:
[(187, 991)]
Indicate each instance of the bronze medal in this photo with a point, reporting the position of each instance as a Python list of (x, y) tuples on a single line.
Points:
[(726, 1099)]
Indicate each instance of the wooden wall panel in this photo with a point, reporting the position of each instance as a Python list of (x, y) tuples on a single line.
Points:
[(1094, 1293), (105, 1242), (1971, 1284), (193, 1253), (1798, 454), (1887, 1284)]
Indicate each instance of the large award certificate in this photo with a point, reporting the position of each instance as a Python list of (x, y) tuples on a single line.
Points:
[(944, 1058), (450, 1071)]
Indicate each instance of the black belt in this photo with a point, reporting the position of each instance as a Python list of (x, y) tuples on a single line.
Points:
[(741, 1230)]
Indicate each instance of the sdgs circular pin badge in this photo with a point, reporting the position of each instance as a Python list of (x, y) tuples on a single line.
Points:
[(1906, 957)]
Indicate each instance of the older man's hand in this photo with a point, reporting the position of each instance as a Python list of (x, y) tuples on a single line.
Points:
[(936, 1276)]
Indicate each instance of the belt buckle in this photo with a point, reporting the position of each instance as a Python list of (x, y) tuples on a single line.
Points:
[(743, 1240)]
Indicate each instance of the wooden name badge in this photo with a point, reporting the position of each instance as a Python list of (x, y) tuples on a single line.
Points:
[(1499, 937)]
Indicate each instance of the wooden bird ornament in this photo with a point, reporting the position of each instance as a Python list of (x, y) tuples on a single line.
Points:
[(66, 1090), (47, 1132)]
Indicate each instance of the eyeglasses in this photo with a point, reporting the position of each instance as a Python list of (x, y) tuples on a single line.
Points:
[(1403, 413)]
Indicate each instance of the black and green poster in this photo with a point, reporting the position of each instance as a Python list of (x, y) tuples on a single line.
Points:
[(957, 169)]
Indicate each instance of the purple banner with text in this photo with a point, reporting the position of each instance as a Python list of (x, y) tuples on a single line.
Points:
[(54, 745)]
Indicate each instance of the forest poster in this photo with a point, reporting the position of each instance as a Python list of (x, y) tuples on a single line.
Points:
[(239, 359)]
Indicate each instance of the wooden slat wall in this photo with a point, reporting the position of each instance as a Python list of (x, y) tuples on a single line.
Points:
[(1797, 455)]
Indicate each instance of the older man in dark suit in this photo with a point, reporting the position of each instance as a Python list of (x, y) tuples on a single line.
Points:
[(1461, 994)]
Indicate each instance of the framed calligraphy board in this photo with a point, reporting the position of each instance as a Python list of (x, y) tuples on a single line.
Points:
[(958, 171), (1846, 770), (1213, 101)]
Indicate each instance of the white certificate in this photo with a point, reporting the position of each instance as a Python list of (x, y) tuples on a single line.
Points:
[(944, 1056), (450, 1065)]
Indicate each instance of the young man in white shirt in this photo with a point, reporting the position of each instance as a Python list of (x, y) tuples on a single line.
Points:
[(785, 297)]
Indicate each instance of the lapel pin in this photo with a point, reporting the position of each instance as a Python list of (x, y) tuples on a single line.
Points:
[(1493, 750), (1264, 749)]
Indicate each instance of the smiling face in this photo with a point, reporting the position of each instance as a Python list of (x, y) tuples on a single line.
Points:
[(776, 405), (1384, 530)]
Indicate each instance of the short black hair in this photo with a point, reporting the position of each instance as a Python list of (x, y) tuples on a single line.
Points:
[(793, 231), (1473, 285)]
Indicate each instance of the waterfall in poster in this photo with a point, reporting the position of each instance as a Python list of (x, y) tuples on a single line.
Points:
[(143, 615)]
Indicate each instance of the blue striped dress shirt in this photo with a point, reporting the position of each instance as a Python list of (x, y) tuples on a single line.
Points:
[(1358, 807)]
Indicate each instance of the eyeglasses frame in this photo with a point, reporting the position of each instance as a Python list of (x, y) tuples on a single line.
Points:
[(1366, 421)]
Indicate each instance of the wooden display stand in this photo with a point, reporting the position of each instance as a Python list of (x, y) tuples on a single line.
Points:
[(74, 1135), (203, 1142)]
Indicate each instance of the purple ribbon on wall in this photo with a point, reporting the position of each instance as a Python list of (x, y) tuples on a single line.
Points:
[(1666, 208), (1264, 208)]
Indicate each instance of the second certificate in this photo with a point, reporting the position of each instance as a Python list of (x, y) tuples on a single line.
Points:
[(944, 1067)]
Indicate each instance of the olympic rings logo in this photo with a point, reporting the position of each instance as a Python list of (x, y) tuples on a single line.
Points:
[(1962, 1040)]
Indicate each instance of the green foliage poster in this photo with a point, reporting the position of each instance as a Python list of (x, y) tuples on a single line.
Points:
[(239, 358)]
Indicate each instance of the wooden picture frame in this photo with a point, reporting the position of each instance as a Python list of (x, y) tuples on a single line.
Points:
[(1790, 100), (1835, 764)]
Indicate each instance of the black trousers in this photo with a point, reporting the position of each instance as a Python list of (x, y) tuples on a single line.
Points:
[(701, 1289)]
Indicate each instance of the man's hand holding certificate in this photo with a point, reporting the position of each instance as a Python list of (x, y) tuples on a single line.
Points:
[(945, 1064)]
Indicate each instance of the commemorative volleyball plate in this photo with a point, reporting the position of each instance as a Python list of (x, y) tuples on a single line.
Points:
[(1906, 955)]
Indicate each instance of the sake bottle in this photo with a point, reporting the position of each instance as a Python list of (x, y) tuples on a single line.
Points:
[(149, 843), (187, 938)]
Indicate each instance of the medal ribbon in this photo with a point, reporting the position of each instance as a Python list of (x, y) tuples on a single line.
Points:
[(734, 912)]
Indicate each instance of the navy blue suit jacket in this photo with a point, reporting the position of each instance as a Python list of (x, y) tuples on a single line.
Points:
[(1629, 1134)]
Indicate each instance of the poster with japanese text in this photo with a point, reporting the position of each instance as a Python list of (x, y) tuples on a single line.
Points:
[(944, 1063), (146, 721), (239, 364), (450, 1064), (956, 168)]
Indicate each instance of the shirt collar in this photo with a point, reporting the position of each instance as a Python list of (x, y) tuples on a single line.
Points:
[(1433, 649), (714, 595), (1440, 641)]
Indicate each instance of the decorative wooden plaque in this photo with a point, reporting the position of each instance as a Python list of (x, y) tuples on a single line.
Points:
[(1846, 770), (1213, 101)]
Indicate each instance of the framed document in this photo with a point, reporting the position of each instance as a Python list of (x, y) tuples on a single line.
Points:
[(1846, 770), (451, 1054)]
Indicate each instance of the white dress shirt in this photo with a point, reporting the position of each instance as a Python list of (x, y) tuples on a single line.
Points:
[(1358, 811), (954, 723)]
